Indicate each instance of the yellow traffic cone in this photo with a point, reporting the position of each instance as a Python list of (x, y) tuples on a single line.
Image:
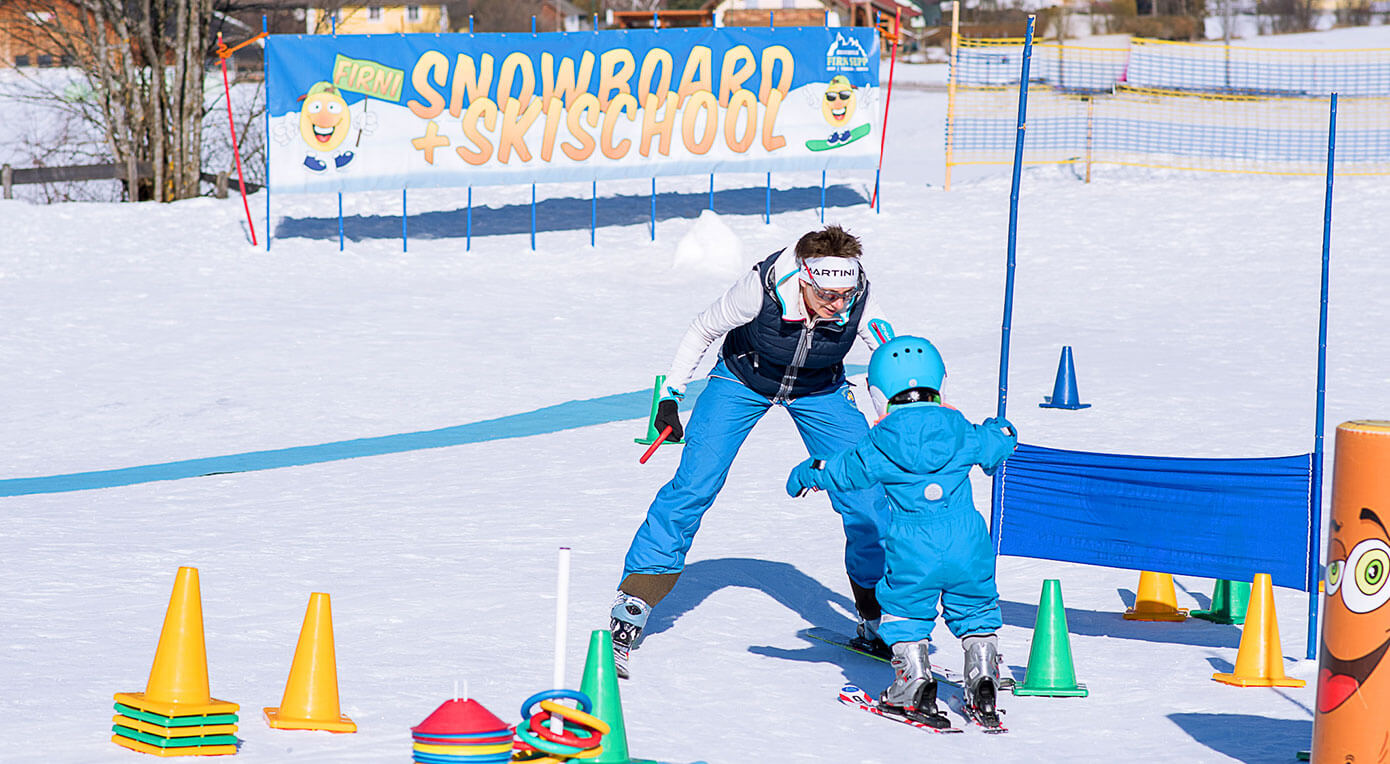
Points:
[(1260, 660), (1156, 600), (178, 683), (311, 693)]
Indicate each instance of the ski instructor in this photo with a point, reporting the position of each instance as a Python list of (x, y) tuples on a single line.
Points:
[(787, 326)]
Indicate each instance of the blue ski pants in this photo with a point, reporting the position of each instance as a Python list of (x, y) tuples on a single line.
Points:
[(943, 559), (723, 416)]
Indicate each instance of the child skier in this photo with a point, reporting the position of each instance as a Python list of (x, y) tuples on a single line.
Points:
[(937, 545)]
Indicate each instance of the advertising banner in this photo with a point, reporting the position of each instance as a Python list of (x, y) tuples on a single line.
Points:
[(360, 112)]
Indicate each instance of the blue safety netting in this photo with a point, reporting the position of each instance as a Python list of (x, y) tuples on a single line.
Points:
[(1216, 518)]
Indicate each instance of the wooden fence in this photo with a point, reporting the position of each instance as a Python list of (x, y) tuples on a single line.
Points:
[(11, 177)]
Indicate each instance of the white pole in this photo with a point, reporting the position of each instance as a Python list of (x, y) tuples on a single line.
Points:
[(562, 595)]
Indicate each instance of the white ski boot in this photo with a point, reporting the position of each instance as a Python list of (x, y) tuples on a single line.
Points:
[(913, 691)]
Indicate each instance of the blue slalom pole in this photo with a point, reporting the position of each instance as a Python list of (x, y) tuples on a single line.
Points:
[(822, 196), (340, 221), (767, 206), (996, 506), (878, 202), (405, 246), (533, 194), (265, 28), (468, 229), (593, 208), (711, 192), (1314, 538), (653, 209)]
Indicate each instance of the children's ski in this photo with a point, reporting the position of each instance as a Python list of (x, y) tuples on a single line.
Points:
[(990, 724), (853, 696), (943, 674)]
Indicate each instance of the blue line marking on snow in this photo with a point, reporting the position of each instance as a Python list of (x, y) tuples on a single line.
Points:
[(569, 415)]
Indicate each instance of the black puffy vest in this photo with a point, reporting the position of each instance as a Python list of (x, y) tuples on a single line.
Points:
[(763, 352)]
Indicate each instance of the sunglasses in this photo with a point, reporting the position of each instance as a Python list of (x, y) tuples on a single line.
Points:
[(827, 296), (843, 95)]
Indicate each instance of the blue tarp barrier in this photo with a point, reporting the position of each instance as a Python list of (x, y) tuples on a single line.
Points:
[(1216, 518)]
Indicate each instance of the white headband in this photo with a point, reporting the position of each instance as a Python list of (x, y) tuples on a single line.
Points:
[(831, 272)]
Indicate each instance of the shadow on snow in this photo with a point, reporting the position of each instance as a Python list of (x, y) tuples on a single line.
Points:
[(568, 214)]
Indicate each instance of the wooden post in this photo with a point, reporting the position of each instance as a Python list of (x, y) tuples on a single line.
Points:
[(219, 186), (132, 178), (7, 178)]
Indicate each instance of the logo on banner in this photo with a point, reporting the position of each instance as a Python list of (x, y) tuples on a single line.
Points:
[(845, 54)]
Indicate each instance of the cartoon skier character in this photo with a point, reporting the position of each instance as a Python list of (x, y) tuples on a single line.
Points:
[(325, 122), (837, 108)]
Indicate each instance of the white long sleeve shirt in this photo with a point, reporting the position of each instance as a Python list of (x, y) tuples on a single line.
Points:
[(742, 302)]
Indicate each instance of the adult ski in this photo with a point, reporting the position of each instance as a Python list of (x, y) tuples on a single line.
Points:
[(857, 698)]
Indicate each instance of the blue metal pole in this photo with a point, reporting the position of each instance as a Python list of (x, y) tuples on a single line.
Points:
[(340, 221), (265, 28), (533, 25), (405, 245), (878, 200), (653, 209), (1315, 538), (711, 192), (996, 507), (533, 204), (593, 204), (767, 205), (468, 229), (822, 196)]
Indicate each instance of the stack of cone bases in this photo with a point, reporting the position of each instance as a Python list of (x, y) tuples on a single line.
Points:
[(176, 715), (461, 732)]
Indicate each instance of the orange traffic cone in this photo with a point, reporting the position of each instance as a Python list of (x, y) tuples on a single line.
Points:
[(311, 693), (1156, 600), (1260, 660), (178, 683)]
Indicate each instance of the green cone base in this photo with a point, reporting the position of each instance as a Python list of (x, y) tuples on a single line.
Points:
[(1079, 691)]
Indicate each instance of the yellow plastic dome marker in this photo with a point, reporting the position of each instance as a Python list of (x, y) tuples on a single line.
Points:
[(311, 693)]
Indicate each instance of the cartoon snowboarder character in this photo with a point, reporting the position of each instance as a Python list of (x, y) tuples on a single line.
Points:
[(324, 124), (837, 108)]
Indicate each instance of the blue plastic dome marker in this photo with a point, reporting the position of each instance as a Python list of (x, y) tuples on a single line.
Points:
[(1064, 394)]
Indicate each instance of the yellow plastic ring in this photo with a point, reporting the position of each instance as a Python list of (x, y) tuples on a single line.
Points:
[(577, 716), (459, 750)]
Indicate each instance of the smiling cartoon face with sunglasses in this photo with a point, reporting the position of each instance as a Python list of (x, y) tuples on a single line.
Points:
[(839, 103)]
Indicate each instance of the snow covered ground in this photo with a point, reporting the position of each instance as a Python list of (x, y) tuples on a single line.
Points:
[(145, 334)]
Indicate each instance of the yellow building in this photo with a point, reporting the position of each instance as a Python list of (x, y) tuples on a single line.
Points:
[(378, 19)]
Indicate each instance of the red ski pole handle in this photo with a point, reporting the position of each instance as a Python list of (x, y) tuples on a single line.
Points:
[(666, 433)]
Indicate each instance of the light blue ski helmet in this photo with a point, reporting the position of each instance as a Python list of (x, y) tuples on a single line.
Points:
[(903, 363)]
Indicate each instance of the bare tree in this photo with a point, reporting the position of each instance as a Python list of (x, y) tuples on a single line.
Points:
[(144, 61)]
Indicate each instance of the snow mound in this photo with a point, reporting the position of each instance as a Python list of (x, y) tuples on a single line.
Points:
[(710, 247)]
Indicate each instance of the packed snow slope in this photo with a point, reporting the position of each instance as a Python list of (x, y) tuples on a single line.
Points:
[(146, 334)]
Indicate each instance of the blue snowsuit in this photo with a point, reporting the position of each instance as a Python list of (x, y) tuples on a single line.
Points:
[(937, 546)]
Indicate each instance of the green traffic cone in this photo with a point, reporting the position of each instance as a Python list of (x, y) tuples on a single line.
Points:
[(652, 433), (1050, 671), (1228, 603), (600, 683)]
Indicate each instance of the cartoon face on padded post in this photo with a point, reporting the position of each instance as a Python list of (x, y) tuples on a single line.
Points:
[(1357, 620), (324, 120), (839, 103)]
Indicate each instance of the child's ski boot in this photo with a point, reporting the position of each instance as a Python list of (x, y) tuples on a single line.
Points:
[(982, 679), (913, 691)]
